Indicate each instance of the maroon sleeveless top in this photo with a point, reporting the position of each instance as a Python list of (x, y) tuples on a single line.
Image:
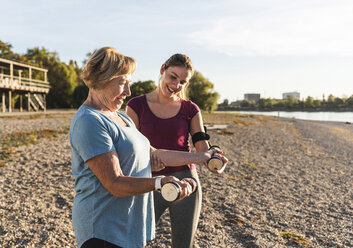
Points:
[(171, 133)]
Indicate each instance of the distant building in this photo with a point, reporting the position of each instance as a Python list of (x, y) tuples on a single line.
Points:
[(236, 103), (295, 95), (252, 97)]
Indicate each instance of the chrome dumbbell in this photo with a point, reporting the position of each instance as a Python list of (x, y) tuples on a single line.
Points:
[(215, 162), (171, 191)]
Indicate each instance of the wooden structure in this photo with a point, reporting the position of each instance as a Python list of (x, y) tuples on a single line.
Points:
[(25, 80)]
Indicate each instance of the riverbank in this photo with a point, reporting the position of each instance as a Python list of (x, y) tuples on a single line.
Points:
[(286, 177)]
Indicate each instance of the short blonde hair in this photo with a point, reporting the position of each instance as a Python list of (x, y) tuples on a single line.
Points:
[(181, 60), (104, 65)]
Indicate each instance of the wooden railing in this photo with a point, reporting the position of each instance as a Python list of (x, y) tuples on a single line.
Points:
[(23, 84)]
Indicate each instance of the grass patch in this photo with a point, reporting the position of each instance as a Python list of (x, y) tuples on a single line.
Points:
[(17, 139), (237, 220), (235, 178), (5, 153), (296, 238), (43, 115), (345, 133), (251, 166), (245, 176), (225, 131), (225, 118), (241, 122), (309, 153)]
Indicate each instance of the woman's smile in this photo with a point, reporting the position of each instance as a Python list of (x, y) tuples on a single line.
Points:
[(171, 90)]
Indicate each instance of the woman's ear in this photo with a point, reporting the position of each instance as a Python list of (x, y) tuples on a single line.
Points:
[(162, 69)]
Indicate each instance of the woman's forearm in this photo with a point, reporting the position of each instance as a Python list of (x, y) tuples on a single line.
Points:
[(129, 186), (177, 158)]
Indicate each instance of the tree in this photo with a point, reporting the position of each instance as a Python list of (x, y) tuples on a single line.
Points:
[(330, 99), (81, 91), (63, 78), (338, 102), (142, 87), (139, 88), (79, 95), (200, 91), (265, 103), (309, 102), (349, 101), (6, 50), (224, 104), (291, 102), (317, 103), (245, 104)]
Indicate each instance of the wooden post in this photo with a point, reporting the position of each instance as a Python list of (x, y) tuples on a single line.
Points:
[(3, 102), (11, 73), (45, 76), (30, 76), (29, 101), (10, 105), (45, 102), (21, 109), (19, 77)]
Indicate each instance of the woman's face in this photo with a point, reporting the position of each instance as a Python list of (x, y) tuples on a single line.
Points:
[(116, 91), (173, 80)]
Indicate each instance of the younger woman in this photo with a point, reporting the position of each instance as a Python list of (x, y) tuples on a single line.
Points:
[(168, 120)]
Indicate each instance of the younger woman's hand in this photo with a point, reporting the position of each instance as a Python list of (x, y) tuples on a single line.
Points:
[(191, 183), (186, 189), (205, 156), (225, 162), (219, 153)]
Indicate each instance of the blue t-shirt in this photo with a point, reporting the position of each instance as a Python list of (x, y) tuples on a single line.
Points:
[(124, 221)]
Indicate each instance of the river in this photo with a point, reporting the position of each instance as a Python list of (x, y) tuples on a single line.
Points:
[(314, 116)]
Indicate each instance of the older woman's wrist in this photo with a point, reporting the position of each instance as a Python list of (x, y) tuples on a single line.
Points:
[(158, 183)]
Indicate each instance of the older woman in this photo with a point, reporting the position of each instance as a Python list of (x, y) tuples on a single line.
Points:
[(113, 205)]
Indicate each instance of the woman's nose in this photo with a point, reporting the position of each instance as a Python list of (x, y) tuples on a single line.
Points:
[(127, 90)]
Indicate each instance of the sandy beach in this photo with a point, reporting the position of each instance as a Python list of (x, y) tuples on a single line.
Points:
[(288, 184)]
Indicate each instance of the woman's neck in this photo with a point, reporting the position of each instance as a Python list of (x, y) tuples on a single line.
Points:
[(97, 101), (164, 100)]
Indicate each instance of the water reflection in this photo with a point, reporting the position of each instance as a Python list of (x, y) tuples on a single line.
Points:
[(314, 116)]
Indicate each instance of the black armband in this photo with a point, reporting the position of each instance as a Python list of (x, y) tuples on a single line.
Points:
[(199, 136)]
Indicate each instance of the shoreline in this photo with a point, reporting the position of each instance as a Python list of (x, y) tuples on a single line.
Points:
[(337, 110), (343, 117)]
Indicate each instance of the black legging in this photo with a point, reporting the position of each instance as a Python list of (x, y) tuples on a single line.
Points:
[(98, 243)]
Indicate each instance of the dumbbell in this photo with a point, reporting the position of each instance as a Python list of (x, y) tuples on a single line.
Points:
[(171, 191), (215, 162)]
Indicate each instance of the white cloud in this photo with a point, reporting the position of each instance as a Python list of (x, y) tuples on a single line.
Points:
[(300, 28)]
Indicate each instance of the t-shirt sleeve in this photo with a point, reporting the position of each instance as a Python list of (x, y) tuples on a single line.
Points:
[(194, 109), (135, 103), (90, 137)]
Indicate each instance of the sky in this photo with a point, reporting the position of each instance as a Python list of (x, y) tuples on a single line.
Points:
[(242, 46)]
